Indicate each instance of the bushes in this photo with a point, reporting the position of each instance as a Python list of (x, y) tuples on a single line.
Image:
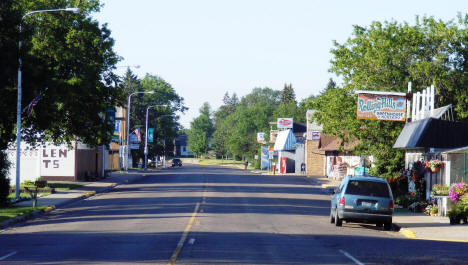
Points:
[(4, 181)]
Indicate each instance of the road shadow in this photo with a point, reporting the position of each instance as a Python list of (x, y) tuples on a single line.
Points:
[(223, 248)]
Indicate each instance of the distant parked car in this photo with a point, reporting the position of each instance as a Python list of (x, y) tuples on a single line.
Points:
[(176, 162), (363, 199)]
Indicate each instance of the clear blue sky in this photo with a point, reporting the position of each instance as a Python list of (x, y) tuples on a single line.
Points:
[(205, 48)]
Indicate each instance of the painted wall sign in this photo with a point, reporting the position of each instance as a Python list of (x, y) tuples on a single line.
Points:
[(285, 123), (381, 107), (57, 161)]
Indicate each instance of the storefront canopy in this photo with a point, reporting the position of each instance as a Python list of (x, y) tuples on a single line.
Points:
[(433, 133), (285, 141)]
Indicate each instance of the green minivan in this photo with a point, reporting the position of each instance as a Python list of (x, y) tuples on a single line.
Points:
[(363, 199)]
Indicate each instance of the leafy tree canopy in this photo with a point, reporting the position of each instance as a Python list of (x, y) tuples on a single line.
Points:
[(384, 57), (71, 55)]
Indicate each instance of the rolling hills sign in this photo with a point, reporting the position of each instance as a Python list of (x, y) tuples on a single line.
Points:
[(389, 106)]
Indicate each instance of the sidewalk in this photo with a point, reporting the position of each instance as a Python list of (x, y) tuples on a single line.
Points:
[(62, 198), (417, 225)]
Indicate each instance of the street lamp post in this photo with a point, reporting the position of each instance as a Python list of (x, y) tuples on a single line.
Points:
[(128, 125), (122, 159), (146, 132), (18, 104)]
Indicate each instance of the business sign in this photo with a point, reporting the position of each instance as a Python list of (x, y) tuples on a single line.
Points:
[(260, 137), (315, 136), (285, 123), (134, 139), (383, 106), (57, 161), (116, 126), (150, 135), (134, 146)]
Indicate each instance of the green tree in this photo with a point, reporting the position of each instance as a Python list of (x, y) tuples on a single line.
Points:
[(252, 115), (201, 130), (384, 57), (161, 118), (72, 56), (221, 128), (287, 94), (289, 107)]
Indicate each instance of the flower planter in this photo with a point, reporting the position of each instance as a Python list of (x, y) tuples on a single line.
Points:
[(435, 169), (40, 183), (454, 221)]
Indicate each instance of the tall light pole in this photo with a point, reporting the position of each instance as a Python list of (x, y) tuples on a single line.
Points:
[(146, 132), (128, 125), (18, 104)]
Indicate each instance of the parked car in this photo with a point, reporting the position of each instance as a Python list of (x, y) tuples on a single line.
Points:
[(363, 199), (176, 162)]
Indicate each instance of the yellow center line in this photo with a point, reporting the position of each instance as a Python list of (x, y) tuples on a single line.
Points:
[(176, 252)]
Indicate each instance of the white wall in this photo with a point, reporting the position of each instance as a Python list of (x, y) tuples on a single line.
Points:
[(51, 160)]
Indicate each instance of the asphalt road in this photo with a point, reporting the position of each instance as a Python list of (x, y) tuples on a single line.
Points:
[(212, 215)]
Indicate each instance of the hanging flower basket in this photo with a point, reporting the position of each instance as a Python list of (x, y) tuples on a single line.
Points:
[(434, 165)]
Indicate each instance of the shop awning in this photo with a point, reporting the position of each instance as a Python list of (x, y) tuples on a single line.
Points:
[(433, 133), (285, 141)]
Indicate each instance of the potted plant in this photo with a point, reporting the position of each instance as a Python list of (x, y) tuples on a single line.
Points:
[(434, 165), (454, 214), (434, 210), (440, 190)]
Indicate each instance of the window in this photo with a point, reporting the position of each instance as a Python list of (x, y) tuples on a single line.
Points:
[(368, 188)]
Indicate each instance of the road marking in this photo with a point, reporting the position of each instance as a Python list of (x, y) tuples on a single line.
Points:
[(408, 233), (8, 255), (176, 252), (191, 241), (49, 208), (351, 257)]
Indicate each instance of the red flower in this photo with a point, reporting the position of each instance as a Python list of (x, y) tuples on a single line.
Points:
[(412, 194)]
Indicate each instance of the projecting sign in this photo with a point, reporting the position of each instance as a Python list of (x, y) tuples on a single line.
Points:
[(116, 126), (285, 123), (150, 135), (260, 137), (381, 106)]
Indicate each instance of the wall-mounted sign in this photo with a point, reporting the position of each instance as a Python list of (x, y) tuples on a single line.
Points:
[(381, 106), (261, 137), (315, 136), (285, 123), (57, 161)]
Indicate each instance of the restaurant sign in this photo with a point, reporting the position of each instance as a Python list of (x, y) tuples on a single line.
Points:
[(381, 106)]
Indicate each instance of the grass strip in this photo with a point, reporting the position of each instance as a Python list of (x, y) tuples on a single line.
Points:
[(12, 212), (63, 186)]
